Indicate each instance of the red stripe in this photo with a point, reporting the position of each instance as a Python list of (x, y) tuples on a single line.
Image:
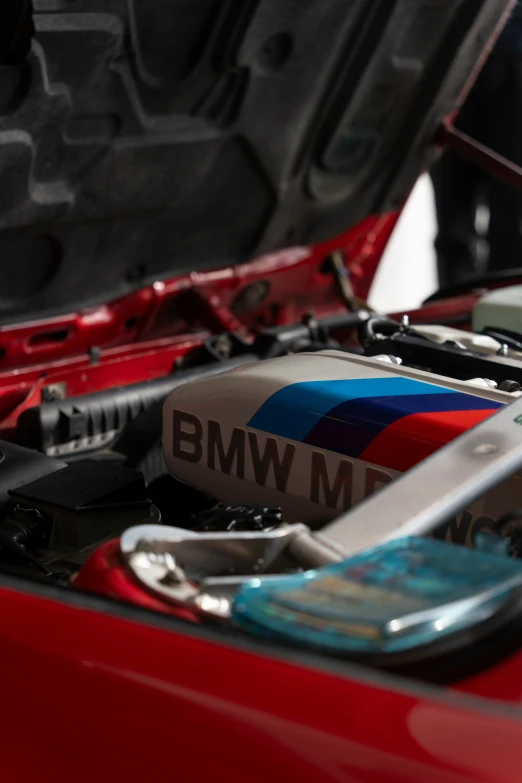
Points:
[(411, 439)]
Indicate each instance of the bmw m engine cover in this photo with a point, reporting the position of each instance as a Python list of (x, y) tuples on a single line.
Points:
[(318, 433)]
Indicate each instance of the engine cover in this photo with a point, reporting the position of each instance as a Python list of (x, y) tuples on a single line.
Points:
[(318, 433)]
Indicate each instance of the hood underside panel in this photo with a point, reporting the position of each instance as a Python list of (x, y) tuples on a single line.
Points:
[(143, 138)]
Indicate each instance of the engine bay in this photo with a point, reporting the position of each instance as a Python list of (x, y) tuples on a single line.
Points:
[(317, 484), (250, 527)]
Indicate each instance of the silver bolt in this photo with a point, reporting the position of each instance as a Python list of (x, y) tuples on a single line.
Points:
[(486, 383), (383, 357), (146, 557), (405, 322), (485, 450), (169, 563), (140, 560)]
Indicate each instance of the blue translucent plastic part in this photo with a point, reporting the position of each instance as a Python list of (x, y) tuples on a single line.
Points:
[(399, 596)]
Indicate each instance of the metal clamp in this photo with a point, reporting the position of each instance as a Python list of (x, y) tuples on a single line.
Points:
[(203, 570)]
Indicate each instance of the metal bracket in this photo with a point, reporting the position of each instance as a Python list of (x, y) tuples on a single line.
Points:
[(499, 167), (203, 570)]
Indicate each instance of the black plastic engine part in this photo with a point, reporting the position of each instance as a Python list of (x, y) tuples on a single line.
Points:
[(93, 421), (223, 518), (375, 328), (512, 339), (19, 466), (218, 349), (509, 386), (446, 359), (86, 502), (310, 335), (178, 503), (21, 531)]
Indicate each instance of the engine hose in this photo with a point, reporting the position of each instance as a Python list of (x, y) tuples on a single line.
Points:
[(373, 328), (513, 340)]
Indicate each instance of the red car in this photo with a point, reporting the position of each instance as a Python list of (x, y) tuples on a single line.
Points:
[(173, 174)]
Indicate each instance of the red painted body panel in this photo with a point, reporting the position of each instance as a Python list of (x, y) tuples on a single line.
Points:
[(102, 698), (141, 336), (204, 300), (502, 682)]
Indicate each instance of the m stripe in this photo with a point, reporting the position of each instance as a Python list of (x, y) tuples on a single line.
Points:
[(294, 411), (350, 428)]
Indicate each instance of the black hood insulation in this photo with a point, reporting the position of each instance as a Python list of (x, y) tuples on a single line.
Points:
[(140, 139)]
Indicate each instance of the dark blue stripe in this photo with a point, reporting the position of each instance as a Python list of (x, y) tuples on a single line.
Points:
[(350, 427), (294, 410)]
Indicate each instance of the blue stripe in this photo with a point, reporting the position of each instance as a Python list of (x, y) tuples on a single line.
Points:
[(293, 411), (350, 427)]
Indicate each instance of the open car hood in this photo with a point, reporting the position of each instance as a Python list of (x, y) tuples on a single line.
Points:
[(141, 140)]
